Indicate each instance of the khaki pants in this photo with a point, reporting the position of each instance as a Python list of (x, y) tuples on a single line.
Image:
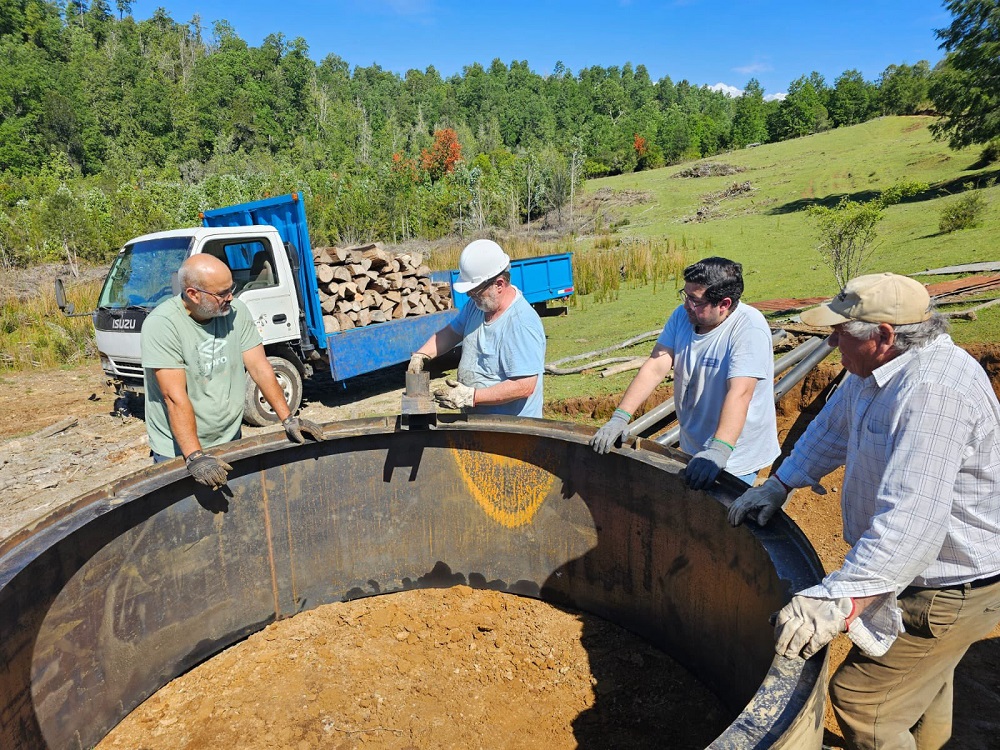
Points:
[(902, 700)]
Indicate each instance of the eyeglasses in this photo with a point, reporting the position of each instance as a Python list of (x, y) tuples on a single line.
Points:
[(222, 297), (687, 299), (480, 290)]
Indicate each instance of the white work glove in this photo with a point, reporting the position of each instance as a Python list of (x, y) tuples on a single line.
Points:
[(805, 624), (455, 396), (615, 428), (417, 362), (759, 503), (705, 466)]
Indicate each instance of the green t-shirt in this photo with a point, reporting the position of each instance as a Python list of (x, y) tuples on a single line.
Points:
[(211, 354)]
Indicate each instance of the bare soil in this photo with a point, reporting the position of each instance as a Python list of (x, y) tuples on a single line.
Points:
[(39, 472), (428, 669)]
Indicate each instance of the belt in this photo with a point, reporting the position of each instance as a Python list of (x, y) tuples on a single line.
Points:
[(983, 582), (979, 583)]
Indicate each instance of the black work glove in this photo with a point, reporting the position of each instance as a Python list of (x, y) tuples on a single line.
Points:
[(704, 467), (296, 428), (208, 470)]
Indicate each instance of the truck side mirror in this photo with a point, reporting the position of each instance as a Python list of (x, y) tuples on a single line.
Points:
[(66, 307)]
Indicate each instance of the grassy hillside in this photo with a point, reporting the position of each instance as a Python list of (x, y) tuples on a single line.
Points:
[(769, 232)]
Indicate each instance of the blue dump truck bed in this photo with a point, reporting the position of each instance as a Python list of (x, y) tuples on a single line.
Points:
[(540, 279), (361, 350), (368, 348)]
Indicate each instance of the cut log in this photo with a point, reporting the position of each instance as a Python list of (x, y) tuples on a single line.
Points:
[(324, 274), (331, 324)]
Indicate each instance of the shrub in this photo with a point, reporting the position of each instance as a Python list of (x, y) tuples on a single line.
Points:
[(991, 152), (900, 190), (964, 213)]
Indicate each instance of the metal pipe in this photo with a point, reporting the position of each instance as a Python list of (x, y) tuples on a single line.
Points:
[(800, 370), (795, 355)]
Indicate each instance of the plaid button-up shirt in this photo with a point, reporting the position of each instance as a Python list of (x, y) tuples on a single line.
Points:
[(920, 442)]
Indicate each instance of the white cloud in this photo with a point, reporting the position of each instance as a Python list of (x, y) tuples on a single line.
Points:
[(725, 88), (772, 97), (753, 68)]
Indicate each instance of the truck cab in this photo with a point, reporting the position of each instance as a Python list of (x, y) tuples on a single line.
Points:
[(144, 274)]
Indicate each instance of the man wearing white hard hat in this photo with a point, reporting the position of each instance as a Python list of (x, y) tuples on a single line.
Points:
[(916, 426), (503, 342)]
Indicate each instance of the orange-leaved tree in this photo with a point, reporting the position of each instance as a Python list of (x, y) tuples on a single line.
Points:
[(443, 154), (640, 144)]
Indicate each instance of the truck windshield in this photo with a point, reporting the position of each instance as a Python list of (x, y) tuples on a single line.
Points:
[(141, 274)]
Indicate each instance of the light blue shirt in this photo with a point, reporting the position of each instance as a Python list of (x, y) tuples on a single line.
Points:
[(511, 346), (703, 364)]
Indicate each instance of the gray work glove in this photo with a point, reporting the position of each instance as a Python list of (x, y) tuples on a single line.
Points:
[(296, 428), (805, 624), (705, 466), (759, 503), (418, 360), (207, 470), (605, 438), (456, 395)]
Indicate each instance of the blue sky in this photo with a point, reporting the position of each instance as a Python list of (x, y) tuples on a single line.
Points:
[(704, 41)]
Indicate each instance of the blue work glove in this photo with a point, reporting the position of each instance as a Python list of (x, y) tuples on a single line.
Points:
[(704, 467), (296, 428), (805, 624), (609, 434), (759, 503)]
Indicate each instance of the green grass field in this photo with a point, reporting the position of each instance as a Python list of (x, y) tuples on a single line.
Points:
[(770, 233), (767, 230)]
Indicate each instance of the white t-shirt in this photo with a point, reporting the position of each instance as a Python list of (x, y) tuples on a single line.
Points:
[(703, 363)]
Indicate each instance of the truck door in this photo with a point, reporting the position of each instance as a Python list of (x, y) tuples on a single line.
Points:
[(263, 283)]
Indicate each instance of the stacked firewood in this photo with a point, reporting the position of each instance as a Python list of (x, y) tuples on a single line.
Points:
[(362, 285)]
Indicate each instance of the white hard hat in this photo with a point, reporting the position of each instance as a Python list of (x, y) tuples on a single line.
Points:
[(481, 260)]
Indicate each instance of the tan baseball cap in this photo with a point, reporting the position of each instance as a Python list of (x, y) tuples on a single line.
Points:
[(875, 298)]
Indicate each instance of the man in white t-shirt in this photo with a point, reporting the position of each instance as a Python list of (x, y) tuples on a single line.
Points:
[(503, 342), (723, 363)]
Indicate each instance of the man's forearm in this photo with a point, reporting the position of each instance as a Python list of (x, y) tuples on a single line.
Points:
[(506, 391), (644, 383), (440, 343), (183, 425), (270, 389), (733, 416)]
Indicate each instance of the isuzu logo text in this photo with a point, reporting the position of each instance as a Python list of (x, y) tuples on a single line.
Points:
[(123, 323)]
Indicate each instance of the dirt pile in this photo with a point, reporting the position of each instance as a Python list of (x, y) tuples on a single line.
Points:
[(451, 668), (709, 169)]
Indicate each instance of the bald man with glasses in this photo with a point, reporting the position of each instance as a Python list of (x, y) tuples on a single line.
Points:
[(197, 349)]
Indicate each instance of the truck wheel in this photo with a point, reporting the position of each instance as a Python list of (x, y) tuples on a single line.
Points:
[(256, 411)]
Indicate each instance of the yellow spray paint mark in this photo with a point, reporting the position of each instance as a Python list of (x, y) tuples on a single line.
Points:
[(510, 490)]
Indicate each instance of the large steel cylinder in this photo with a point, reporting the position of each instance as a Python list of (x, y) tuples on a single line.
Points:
[(112, 596)]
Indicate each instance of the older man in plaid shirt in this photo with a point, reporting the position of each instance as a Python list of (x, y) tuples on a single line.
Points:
[(917, 428)]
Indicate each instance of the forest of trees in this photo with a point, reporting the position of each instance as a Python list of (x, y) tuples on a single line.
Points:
[(112, 126)]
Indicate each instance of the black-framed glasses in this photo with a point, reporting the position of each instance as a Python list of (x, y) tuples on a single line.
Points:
[(228, 294), (687, 299)]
